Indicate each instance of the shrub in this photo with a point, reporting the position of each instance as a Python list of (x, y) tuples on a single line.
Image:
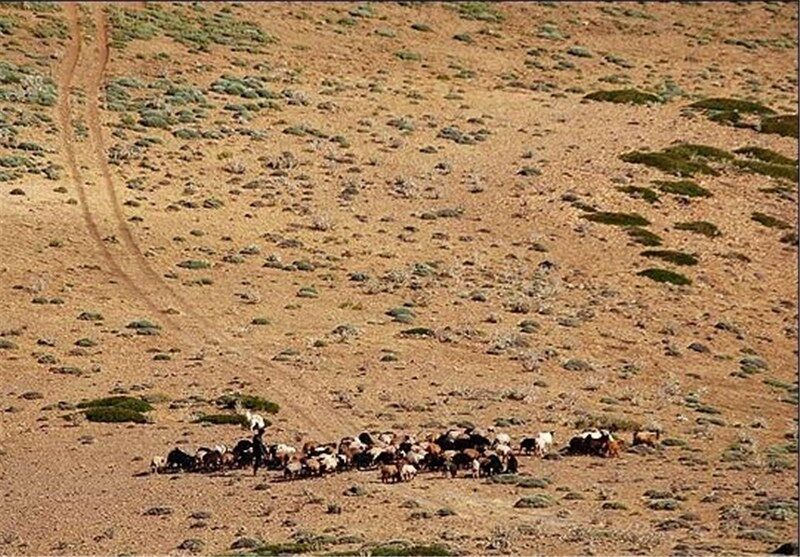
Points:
[(640, 192), (643, 236), (669, 163), (538, 501), (194, 264), (732, 105), (121, 401), (224, 419), (699, 227), (769, 221), (689, 188), (250, 402), (675, 257), (623, 96), (401, 549), (114, 414), (609, 422), (788, 172), (617, 219), (695, 151), (481, 11), (419, 332), (765, 155), (663, 275), (785, 125), (408, 55)]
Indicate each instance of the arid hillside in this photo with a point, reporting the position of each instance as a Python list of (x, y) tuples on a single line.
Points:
[(405, 217)]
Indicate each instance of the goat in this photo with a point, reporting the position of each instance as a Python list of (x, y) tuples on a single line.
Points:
[(649, 438)]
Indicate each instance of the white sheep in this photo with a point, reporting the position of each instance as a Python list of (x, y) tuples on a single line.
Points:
[(407, 472), (158, 464)]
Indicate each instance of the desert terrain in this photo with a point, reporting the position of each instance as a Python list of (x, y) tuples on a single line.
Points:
[(404, 216)]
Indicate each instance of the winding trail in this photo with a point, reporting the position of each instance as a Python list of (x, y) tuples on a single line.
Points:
[(131, 268)]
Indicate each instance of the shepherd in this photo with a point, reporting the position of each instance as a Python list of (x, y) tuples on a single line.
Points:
[(259, 450)]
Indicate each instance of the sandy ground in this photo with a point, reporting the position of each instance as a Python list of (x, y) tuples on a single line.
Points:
[(360, 194)]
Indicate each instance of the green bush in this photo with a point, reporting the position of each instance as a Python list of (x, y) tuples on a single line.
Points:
[(643, 236), (675, 257), (640, 192), (663, 275), (788, 172), (617, 219), (765, 155), (223, 419), (699, 227), (250, 402), (481, 11), (769, 221), (538, 501), (624, 96), (120, 401), (785, 125), (732, 105), (669, 163), (114, 414), (689, 188)]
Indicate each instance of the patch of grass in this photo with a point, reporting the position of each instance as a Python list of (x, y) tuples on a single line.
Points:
[(693, 151), (643, 236), (419, 332), (407, 55), (538, 501), (624, 96), (765, 155), (787, 171), (663, 275), (617, 219), (194, 264), (670, 163), (688, 188), (699, 227), (609, 422), (223, 419), (672, 256), (785, 125), (121, 401), (481, 11), (114, 414), (250, 402), (732, 105), (639, 192), (769, 221), (288, 548)]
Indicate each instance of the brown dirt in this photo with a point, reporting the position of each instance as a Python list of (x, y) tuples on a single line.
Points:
[(111, 244)]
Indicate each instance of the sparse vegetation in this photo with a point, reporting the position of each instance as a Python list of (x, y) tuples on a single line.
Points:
[(624, 96), (663, 275)]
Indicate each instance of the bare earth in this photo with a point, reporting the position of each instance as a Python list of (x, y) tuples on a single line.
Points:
[(439, 157)]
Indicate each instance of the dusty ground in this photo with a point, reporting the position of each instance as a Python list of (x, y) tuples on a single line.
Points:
[(144, 157)]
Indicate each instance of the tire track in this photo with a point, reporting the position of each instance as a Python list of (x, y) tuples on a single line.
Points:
[(142, 271)]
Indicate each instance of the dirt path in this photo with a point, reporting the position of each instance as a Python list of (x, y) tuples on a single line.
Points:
[(302, 402)]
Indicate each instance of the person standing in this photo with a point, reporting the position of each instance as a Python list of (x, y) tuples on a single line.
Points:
[(259, 450)]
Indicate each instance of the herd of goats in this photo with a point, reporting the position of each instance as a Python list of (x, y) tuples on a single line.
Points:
[(398, 457)]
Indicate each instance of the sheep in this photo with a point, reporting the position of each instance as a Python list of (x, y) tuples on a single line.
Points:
[(228, 460), (243, 453), (312, 467), (180, 460), (292, 470), (328, 463), (502, 439), (388, 473), (255, 422), (527, 445), (158, 465), (614, 447), (476, 468), (543, 442), (283, 453), (407, 472), (503, 450), (649, 438)]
